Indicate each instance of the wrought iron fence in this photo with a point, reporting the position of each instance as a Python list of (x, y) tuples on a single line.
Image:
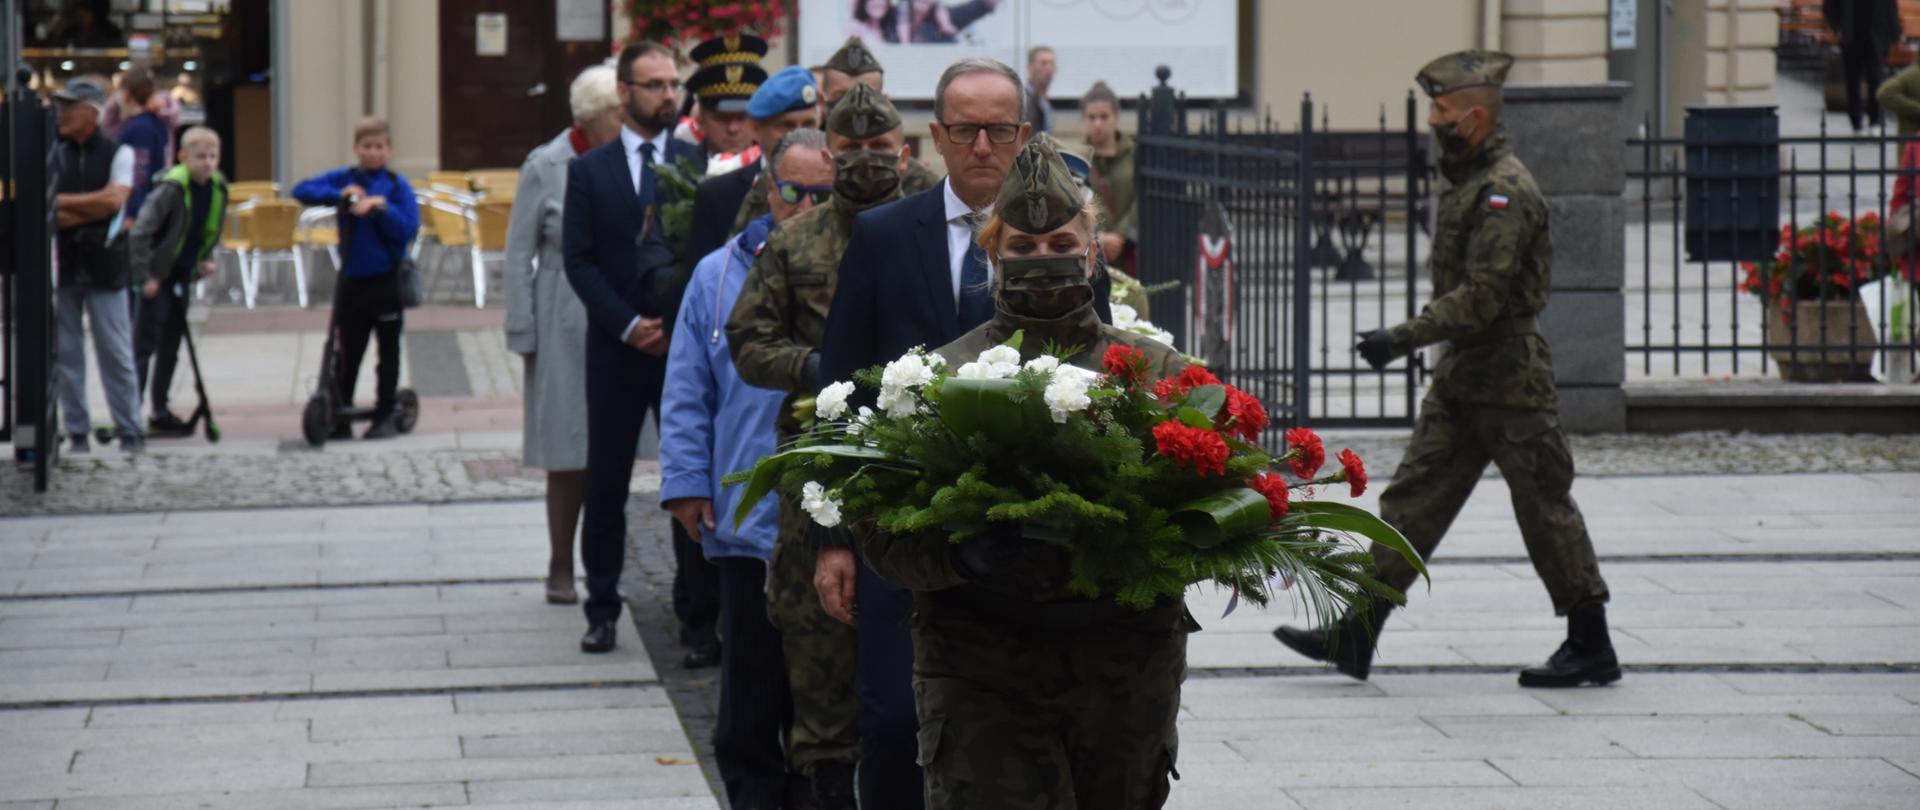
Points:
[(1275, 246), (1758, 253)]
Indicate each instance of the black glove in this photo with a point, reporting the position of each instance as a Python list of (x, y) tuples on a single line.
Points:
[(1376, 348), (820, 537), (810, 373), (1002, 559)]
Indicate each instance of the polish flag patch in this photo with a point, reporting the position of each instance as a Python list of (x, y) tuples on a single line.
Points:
[(1497, 202)]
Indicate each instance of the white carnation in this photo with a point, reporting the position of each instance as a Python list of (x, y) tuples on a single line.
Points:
[(898, 403), (1067, 393), (820, 504), (1044, 363), (1004, 355), (910, 371), (832, 401), (1124, 317), (936, 362), (860, 421), (975, 371)]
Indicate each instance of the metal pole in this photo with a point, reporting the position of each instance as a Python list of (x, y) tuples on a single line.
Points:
[(1302, 269)]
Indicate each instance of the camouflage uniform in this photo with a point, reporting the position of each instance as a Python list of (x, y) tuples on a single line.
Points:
[(918, 178), (1033, 697), (780, 318), (1492, 396)]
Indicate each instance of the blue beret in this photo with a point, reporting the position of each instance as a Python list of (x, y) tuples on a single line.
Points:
[(790, 89)]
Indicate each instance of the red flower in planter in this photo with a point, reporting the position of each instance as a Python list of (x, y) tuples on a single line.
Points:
[(1306, 453), (1126, 364), (1203, 450), (1355, 471), (1246, 417), (1276, 491)]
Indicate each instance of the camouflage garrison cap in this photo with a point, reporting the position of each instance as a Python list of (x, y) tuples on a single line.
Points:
[(862, 113), (1039, 194), (1464, 69), (854, 59)]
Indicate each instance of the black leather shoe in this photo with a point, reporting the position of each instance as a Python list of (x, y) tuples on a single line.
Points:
[(164, 423), (383, 428), (1585, 657), (599, 637), (703, 656), (1346, 644), (833, 786)]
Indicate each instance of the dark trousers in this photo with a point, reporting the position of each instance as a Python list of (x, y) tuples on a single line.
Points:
[(623, 386), (889, 724), (755, 705), (158, 328), (1863, 70), (696, 591), (368, 306)]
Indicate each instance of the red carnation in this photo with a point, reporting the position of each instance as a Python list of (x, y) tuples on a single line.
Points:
[(1354, 471), (1203, 450), (1125, 363), (1245, 415), (1306, 454), (1192, 377), (1276, 492)]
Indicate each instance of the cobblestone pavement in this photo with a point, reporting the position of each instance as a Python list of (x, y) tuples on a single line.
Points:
[(484, 465)]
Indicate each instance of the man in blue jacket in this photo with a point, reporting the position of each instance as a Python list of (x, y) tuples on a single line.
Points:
[(378, 218), (713, 424)]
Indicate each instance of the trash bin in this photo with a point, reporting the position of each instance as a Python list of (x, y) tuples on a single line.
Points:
[(1733, 183)]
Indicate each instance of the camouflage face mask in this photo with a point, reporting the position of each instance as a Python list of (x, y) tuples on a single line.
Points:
[(1045, 287), (863, 175)]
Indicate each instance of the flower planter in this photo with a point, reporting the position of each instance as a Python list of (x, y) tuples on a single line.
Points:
[(1840, 361)]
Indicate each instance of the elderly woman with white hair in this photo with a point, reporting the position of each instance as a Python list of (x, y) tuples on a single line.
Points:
[(546, 323)]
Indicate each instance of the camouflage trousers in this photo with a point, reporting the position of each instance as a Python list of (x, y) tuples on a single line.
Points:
[(1013, 718), (821, 654), (1451, 445)]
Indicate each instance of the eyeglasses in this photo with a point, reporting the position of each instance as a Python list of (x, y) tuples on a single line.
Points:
[(656, 85), (966, 133), (792, 193)]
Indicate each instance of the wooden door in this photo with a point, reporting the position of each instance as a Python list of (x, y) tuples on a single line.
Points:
[(496, 106)]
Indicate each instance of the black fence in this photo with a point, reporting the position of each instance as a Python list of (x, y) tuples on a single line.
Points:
[(1274, 247), (26, 279), (1761, 254)]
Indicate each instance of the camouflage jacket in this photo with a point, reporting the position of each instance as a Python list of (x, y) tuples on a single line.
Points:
[(1491, 264), (925, 563), (781, 314)]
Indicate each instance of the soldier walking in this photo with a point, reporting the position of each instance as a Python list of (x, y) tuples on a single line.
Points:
[(775, 330), (1492, 397)]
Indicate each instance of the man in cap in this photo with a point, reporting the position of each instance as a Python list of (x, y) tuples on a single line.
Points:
[(727, 75), (95, 179), (775, 331), (852, 64), (1492, 397), (726, 202)]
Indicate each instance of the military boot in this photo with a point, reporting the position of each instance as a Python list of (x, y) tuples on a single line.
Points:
[(1346, 644), (833, 786), (1586, 656)]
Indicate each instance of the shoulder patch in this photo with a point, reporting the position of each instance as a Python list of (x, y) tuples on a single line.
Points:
[(1497, 202), (759, 250)]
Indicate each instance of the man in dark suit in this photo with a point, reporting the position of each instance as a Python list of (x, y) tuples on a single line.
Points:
[(615, 260), (912, 276)]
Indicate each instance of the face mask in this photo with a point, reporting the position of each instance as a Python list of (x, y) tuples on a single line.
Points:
[(863, 175), (1452, 141), (1045, 287)]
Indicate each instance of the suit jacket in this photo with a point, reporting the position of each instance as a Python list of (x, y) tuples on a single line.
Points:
[(715, 204), (619, 271), (895, 288)]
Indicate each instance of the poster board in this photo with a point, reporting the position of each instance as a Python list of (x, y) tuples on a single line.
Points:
[(1116, 41)]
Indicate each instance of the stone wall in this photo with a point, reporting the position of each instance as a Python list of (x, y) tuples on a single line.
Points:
[(1569, 135)]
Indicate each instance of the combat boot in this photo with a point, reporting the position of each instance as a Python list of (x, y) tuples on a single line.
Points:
[(1586, 656), (833, 786), (1346, 644)]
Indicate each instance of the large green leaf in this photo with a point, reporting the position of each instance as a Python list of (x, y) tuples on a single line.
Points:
[(997, 409), (766, 472), (1340, 517), (1208, 521), (1207, 399)]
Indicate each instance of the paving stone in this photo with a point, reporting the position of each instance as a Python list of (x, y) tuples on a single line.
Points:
[(1734, 797), (351, 798), (568, 674), (359, 753), (1187, 795), (16, 720), (1379, 773), (240, 630), (1897, 723), (477, 770), (663, 781), (1699, 773), (1767, 683), (160, 781), (1200, 704), (648, 697), (183, 714), (464, 725), (1505, 798), (354, 708), (645, 743), (146, 688)]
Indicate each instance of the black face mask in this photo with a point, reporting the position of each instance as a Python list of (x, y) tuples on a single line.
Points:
[(863, 175), (1045, 287), (1451, 141)]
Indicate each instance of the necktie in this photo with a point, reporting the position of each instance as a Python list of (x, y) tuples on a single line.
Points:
[(975, 306), (646, 173)]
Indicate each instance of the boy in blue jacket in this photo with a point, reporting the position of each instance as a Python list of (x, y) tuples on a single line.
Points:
[(378, 218)]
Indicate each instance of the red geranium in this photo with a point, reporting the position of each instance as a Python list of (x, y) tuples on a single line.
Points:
[(1245, 415), (1306, 453), (1126, 364), (1276, 491), (1355, 472), (1203, 450)]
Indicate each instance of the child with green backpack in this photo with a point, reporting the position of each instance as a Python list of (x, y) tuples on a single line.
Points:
[(178, 229)]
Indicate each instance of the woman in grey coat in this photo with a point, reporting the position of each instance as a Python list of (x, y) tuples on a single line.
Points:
[(545, 320)]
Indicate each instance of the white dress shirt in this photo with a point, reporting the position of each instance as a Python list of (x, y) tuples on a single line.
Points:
[(959, 234), (630, 142)]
